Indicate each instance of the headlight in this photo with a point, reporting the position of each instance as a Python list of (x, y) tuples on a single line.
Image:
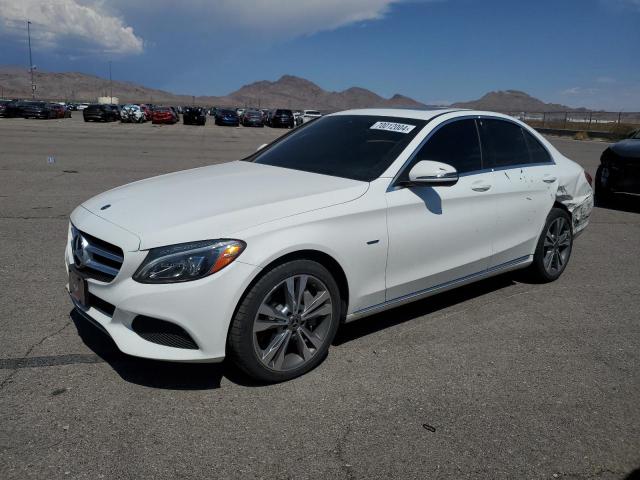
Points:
[(187, 261)]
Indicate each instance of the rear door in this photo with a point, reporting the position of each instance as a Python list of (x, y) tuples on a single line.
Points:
[(441, 234), (519, 201)]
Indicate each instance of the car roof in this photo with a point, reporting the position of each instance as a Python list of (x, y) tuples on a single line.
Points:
[(418, 114)]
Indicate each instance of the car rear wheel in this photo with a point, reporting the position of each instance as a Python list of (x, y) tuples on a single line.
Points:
[(286, 322), (554, 247)]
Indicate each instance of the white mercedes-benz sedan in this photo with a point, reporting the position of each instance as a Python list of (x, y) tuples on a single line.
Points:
[(349, 215)]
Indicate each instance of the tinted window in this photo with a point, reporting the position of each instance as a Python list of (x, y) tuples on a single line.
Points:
[(455, 144), (503, 143), (342, 146), (537, 153)]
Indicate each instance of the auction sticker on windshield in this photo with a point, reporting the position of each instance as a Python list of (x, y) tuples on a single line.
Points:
[(392, 127)]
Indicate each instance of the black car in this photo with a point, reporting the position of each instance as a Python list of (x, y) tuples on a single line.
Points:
[(100, 113), (13, 109), (282, 118), (3, 107), (252, 118), (227, 117), (38, 110), (619, 170), (194, 116)]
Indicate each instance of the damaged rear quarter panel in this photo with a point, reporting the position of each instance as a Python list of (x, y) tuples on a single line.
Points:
[(574, 192)]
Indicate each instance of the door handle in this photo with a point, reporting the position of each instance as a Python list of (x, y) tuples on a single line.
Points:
[(481, 188), (549, 179)]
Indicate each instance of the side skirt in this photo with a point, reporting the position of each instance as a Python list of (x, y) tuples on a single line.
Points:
[(443, 287)]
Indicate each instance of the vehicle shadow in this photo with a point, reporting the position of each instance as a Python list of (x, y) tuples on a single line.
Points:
[(396, 316), (206, 376), (154, 373)]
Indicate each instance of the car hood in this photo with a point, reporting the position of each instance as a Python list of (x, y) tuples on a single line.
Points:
[(217, 201), (629, 148)]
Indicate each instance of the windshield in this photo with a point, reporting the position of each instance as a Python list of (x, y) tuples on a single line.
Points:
[(636, 135), (312, 112), (360, 147)]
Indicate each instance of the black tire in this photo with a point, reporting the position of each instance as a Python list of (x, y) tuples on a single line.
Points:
[(240, 342), (540, 273)]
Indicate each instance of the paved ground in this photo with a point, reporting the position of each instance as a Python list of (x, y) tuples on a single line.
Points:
[(501, 379)]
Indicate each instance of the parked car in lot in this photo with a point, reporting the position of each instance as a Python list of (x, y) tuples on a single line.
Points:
[(38, 110), (164, 115), (132, 114), (307, 116), (99, 113), (227, 117), (147, 111), (3, 107), (60, 111), (354, 213), (252, 118), (194, 116), (281, 118), (619, 170), (13, 109)]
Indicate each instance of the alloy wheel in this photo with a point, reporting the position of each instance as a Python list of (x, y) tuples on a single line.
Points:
[(557, 246), (292, 322)]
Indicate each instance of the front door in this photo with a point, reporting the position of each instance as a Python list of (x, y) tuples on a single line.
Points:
[(441, 234)]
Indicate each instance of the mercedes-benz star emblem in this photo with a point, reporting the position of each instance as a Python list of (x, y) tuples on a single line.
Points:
[(80, 252)]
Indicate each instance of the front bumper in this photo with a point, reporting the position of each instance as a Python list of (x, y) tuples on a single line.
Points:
[(202, 308)]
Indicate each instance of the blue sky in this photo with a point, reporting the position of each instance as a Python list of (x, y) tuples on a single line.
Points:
[(576, 52)]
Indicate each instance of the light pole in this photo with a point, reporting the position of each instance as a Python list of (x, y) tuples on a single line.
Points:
[(110, 84), (33, 85)]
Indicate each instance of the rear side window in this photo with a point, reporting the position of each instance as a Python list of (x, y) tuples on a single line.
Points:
[(537, 153), (503, 143), (455, 144)]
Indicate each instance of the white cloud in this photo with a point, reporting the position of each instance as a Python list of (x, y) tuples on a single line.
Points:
[(621, 4), (301, 17), (58, 21), (274, 19), (579, 91)]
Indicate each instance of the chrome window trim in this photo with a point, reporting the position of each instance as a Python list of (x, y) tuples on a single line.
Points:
[(396, 179)]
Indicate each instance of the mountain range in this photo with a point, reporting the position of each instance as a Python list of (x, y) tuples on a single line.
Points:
[(287, 92)]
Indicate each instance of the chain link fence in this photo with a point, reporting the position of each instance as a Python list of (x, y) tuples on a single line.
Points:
[(618, 123)]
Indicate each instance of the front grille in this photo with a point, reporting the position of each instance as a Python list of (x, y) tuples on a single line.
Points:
[(95, 258), (162, 332)]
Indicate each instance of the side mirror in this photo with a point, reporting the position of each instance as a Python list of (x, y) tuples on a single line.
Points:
[(430, 173), (261, 147)]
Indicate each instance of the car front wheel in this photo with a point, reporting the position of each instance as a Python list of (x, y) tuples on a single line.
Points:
[(286, 322), (554, 247)]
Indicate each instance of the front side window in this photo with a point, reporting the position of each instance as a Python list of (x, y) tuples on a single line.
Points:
[(359, 147), (503, 143), (455, 144)]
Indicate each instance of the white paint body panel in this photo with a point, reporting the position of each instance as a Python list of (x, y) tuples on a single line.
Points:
[(391, 242)]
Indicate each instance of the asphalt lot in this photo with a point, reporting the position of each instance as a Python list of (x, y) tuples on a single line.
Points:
[(501, 379)]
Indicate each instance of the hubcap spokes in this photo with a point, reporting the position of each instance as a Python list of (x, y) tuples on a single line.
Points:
[(292, 322), (557, 245)]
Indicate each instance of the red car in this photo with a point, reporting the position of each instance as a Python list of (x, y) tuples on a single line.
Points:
[(60, 110), (163, 115)]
